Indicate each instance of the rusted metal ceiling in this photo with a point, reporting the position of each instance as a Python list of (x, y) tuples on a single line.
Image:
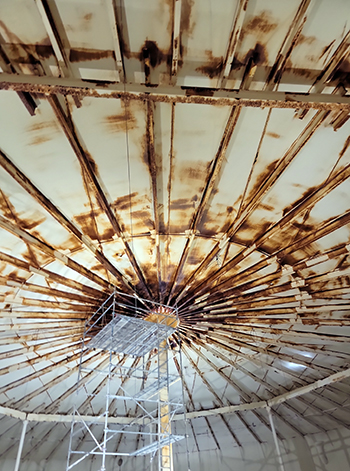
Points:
[(195, 155)]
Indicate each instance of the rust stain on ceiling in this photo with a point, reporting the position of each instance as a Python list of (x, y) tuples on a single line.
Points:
[(184, 194)]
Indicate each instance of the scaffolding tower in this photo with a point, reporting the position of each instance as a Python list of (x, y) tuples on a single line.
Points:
[(141, 395)]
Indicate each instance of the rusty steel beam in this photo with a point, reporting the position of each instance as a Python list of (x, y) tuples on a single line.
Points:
[(72, 370), (210, 388), (263, 338), (30, 326), (14, 384), (280, 399), (54, 36), (225, 338), (46, 334), (73, 341), (54, 405), (246, 210), (13, 314), (30, 188), (41, 303), (21, 284), (310, 200), (51, 276), (341, 53), (153, 173), (187, 389), (244, 396), (251, 98), (209, 185), (238, 20), (288, 44), (261, 381), (220, 372), (70, 133), (114, 22), (55, 254), (176, 38), (36, 360)]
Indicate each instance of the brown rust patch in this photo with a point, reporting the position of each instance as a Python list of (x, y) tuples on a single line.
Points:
[(213, 67), (88, 225), (273, 134), (186, 10), (262, 24), (302, 39), (125, 202), (181, 204), (87, 17), (119, 122), (25, 53), (259, 181), (9, 211), (142, 218), (84, 55), (42, 132)]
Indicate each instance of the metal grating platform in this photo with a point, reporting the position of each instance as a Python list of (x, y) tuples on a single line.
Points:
[(130, 335), (157, 445)]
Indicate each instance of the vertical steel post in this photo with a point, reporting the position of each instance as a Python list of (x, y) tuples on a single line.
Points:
[(20, 446), (279, 456)]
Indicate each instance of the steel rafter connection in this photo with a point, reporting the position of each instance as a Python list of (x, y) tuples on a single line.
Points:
[(134, 353)]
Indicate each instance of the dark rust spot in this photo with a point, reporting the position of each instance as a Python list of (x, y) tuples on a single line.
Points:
[(256, 56), (213, 67), (119, 122), (151, 55), (342, 73), (84, 55), (236, 64), (198, 91)]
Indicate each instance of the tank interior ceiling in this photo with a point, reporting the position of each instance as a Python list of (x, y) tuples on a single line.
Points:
[(194, 155)]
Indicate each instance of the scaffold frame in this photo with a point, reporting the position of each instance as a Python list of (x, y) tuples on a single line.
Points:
[(134, 361)]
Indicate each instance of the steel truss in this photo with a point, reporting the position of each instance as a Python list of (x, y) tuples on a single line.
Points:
[(133, 369)]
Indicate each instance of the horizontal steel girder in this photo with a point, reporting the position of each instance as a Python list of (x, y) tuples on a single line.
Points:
[(174, 94), (32, 417)]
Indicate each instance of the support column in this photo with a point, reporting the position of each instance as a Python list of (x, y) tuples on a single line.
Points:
[(279, 456), (20, 446), (164, 424)]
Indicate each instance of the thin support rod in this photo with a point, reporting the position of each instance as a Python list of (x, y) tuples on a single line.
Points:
[(20, 446), (278, 450)]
